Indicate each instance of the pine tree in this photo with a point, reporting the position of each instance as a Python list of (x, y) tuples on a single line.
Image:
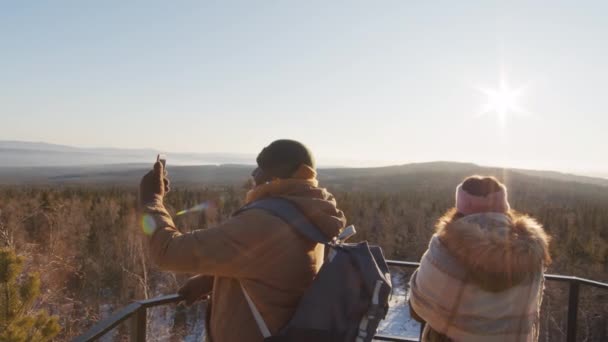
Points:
[(18, 321)]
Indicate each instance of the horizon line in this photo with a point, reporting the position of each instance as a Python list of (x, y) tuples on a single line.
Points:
[(345, 163)]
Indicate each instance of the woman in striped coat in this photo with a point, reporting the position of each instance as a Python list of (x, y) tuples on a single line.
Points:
[(482, 277)]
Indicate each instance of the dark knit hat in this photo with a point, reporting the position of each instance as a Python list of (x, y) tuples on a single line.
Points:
[(283, 157)]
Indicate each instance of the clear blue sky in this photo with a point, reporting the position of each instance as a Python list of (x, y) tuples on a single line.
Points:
[(372, 81)]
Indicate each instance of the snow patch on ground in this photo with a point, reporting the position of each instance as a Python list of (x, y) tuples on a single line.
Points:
[(398, 321), (175, 322), (196, 324)]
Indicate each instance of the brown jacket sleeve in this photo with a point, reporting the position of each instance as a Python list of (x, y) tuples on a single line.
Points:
[(232, 249)]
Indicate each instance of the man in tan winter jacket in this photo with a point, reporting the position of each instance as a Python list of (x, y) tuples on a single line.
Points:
[(254, 249)]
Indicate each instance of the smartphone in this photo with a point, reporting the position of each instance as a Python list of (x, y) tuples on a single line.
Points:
[(162, 158)]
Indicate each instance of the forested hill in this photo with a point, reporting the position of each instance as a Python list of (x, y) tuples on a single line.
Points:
[(69, 232), (377, 178)]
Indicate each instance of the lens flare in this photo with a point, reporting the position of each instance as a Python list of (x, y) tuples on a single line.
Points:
[(148, 224), (199, 207)]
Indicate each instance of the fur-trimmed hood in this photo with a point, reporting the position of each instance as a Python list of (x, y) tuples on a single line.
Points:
[(498, 250)]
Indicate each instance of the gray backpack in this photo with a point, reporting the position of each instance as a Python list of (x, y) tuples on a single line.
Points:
[(349, 296)]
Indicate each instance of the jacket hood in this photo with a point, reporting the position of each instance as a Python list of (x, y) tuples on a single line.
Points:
[(499, 250), (319, 206), (316, 203)]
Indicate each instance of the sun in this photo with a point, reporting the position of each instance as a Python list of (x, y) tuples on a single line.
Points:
[(503, 100)]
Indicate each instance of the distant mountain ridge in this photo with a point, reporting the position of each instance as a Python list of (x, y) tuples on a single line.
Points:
[(39, 162), (40, 154), (365, 179)]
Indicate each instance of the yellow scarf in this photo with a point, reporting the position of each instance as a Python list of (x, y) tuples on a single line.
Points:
[(305, 175)]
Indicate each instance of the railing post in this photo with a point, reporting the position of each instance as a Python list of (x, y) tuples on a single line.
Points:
[(572, 310), (138, 325)]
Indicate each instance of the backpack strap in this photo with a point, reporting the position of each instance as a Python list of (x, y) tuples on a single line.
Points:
[(259, 320), (288, 212)]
